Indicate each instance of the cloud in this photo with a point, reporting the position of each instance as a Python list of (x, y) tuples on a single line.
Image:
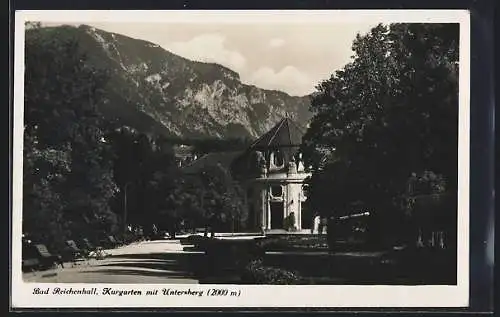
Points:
[(276, 42), (209, 48), (289, 79)]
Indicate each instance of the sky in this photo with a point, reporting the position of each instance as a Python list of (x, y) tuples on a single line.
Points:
[(291, 57)]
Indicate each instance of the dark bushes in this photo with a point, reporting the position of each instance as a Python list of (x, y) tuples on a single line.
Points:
[(199, 242), (237, 253), (225, 259), (195, 239), (288, 243), (256, 273)]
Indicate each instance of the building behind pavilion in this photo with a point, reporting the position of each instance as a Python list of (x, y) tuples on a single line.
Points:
[(272, 173)]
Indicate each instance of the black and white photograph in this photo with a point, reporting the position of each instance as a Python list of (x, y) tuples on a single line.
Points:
[(299, 150)]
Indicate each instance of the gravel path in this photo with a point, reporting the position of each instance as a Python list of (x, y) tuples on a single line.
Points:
[(148, 262)]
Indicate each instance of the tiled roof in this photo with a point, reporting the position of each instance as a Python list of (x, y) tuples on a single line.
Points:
[(285, 136), (183, 150), (285, 133), (225, 159)]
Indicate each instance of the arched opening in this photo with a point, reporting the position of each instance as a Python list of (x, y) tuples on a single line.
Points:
[(276, 191), (279, 160)]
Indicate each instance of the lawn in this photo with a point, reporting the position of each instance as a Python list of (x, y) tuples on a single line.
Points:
[(309, 243), (307, 260), (294, 243)]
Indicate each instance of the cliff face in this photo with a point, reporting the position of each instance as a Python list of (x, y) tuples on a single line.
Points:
[(154, 90)]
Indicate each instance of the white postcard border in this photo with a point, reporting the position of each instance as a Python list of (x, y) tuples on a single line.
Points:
[(249, 295)]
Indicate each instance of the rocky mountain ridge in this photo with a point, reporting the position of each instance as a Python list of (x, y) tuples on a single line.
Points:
[(154, 90)]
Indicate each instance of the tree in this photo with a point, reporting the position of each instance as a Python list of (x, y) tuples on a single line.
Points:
[(67, 174), (145, 172), (391, 111), (429, 208), (209, 198), (44, 173), (222, 198)]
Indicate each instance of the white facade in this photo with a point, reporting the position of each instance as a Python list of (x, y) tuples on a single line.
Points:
[(277, 194), (272, 172)]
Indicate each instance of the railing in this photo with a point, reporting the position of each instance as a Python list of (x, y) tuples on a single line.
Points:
[(363, 214)]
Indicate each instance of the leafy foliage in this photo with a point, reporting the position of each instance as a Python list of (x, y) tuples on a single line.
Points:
[(210, 198), (144, 169), (67, 175), (390, 112), (257, 273), (87, 176)]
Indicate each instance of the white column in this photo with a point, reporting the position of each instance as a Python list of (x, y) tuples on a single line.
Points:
[(263, 211), (286, 200), (267, 208), (299, 207)]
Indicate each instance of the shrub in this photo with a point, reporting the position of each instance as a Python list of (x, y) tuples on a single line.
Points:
[(198, 241), (223, 256), (232, 249), (291, 243), (289, 222), (256, 273), (195, 238), (122, 237)]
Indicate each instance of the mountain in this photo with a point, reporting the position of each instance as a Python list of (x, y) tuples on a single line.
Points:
[(154, 90)]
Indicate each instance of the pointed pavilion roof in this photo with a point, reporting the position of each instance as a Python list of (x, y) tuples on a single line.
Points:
[(285, 133)]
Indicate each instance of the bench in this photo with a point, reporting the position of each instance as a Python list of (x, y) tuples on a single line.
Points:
[(94, 252), (74, 253), (30, 265), (89, 246), (106, 243), (47, 259), (115, 241), (74, 248)]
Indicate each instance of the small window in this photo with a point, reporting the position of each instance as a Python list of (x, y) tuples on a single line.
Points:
[(278, 159), (305, 190), (276, 191)]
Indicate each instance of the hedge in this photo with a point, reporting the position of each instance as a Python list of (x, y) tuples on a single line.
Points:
[(256, 273)]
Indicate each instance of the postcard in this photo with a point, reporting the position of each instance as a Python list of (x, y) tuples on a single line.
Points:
[(241, 159)]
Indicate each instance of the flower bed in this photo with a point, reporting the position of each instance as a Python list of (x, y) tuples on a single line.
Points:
[(256, 273), (284, 243), (196, 240), (305, 243)]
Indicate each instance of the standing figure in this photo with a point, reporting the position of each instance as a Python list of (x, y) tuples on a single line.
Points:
[(154, 229), (261, 163), (317, 222), (331, 233), (323, 225)]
